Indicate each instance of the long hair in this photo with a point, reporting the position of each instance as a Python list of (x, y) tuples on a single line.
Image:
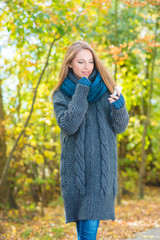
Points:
[(71, 53)]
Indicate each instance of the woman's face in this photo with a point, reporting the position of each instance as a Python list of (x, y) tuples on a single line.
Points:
[(82, 64)]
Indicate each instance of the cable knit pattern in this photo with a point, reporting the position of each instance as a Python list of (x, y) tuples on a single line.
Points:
[(105, 161), (119, 118), (88, 145), (79, 160), (67, 115)]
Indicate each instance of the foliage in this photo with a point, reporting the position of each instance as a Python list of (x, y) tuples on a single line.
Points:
[(28, 28)]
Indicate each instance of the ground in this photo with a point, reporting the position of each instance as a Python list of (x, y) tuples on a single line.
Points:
[(132, 216)]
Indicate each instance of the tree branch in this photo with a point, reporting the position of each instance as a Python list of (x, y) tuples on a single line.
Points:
[(4, 174)]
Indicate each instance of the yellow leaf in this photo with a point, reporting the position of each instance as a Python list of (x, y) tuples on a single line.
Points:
[(39, 159)]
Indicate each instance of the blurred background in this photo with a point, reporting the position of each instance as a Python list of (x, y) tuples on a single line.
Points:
[(34, 37)]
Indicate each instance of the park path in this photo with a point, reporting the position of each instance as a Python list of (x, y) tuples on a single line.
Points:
[(153, 234)]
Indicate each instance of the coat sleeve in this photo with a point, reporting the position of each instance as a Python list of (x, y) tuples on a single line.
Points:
[(119, 118), (70, 115)]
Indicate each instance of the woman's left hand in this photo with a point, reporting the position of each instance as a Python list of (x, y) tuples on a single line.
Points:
[(114, 98)]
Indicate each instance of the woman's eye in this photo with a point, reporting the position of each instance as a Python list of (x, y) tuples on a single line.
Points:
[(83, 62)]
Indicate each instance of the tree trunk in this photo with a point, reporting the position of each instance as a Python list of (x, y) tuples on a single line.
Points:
[(4, 189), (115, 77), (43, 177), (147, 121), (11, 198), (116, 13)]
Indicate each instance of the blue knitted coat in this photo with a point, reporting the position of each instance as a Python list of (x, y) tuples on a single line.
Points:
[(88, 165)]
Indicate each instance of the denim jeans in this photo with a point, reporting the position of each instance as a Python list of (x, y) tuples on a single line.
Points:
[(87, 229)]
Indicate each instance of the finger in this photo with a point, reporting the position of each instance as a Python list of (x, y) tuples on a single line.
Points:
[(118, 92), (111, 100), (114, 97)]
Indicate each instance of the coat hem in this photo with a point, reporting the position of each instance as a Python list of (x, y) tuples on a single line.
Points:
[(104, 219), (89, 208)]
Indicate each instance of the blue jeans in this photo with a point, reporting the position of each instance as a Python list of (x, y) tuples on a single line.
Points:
[(87, 229)]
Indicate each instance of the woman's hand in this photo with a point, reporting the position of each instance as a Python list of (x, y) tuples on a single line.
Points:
[(113, 98)]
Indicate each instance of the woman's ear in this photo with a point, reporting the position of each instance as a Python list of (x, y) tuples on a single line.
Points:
[(70, 64)]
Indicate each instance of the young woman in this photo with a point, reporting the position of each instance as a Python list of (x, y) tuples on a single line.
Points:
[(89, 116)]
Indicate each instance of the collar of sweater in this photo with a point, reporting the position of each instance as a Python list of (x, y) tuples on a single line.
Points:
[(97, 87)]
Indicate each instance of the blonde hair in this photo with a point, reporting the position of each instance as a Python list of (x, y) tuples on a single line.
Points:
[(71, 53)]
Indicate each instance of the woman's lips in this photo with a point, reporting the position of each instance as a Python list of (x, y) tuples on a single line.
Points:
[(86, 73)]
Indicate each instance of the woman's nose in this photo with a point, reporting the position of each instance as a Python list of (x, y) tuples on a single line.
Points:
[(86, 65)]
